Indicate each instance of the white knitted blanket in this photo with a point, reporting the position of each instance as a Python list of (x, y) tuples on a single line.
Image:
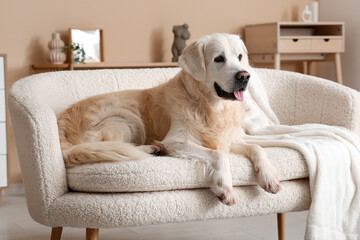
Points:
[(333, 157)]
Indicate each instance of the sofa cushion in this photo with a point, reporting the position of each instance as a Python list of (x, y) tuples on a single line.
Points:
[(167, 173)]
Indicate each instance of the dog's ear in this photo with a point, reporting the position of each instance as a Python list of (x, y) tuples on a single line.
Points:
[(246, 57), (243, 47), (192, 60)]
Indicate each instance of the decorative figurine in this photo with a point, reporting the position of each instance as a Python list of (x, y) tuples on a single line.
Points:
[(306, 14), (181, 34)]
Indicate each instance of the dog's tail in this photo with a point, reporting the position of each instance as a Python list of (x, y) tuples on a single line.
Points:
[(106, 151)]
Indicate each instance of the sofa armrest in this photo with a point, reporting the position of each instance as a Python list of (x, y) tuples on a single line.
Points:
[(37, 142), (300, 99)]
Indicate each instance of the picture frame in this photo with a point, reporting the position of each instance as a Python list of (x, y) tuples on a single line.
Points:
[(4, 174), (92, 41)]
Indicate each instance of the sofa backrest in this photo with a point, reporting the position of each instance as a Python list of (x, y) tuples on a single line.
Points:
[(294, 97), (58, 90)]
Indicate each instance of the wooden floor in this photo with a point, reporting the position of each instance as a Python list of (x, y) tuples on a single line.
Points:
[(16, 224)]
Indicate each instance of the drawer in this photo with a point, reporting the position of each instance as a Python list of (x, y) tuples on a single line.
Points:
[(2, 106), (326, 45), (294, 45), (2, 73), (3, 149), (3, 171)]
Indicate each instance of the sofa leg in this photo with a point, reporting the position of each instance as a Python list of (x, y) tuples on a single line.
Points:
[(92, 234), (56, 233), (281, 225)]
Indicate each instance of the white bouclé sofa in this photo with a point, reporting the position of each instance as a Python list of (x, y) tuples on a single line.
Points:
[(158, 189)]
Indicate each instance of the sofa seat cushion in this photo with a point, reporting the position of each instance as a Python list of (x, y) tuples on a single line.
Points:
[(167, 173)]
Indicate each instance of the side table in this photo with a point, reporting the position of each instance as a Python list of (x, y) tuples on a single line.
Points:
[(296, 41)]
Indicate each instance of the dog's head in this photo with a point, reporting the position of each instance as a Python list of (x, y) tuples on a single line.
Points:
[(221, 62)]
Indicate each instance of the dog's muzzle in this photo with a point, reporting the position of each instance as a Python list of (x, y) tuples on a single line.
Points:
[(241, 81)]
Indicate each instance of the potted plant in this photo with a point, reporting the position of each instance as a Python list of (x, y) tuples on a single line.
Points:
[(78, 52)]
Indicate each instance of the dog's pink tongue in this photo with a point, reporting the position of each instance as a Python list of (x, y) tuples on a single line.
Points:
[(239, 95)]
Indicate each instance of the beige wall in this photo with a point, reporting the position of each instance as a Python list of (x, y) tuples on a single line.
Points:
[(134, 30), (346, 11)]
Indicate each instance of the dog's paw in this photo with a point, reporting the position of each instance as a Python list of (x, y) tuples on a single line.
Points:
[(156, 150), (222, 187), (268, 179), (221, 182), (227, 196), (160, 149)]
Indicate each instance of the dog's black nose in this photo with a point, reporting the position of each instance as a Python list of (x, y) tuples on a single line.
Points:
[(242, 76)]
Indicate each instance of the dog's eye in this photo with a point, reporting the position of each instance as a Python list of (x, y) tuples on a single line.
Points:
[(240, 57), (219, 59)]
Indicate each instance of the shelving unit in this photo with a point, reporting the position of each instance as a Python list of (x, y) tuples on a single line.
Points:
[(296, 41), (3, 146)]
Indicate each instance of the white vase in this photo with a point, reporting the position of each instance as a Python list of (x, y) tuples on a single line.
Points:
[(306, 15), (56, 46), (314, 8)]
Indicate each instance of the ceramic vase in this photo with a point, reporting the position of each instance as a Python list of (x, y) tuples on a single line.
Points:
[(306, 14), (56, 46), (314, 8)]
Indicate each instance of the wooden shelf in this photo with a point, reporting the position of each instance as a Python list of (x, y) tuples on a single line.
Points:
[(312, 37), (297, 23), (40, 68)]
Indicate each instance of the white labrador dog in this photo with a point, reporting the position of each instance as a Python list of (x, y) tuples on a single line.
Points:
[(197, 114)]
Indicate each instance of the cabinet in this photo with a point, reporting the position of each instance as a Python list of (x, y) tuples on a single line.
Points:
[(3, 146), (296, 41)]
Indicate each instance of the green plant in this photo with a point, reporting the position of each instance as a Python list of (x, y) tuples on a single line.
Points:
[(77, 50)]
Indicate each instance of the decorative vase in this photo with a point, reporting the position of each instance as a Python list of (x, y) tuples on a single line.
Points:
[(306, 14), (56, 46), (314, 8)]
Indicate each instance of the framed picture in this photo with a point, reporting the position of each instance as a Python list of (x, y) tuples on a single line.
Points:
[(91, 40), (3, 145)]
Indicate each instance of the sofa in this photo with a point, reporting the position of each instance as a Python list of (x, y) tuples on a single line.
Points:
[(162, 189)]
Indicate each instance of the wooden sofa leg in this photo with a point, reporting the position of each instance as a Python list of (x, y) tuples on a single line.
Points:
[(92, 234), (56, 233), (281, 225)]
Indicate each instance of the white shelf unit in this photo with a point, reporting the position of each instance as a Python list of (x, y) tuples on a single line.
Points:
[(3, 145)]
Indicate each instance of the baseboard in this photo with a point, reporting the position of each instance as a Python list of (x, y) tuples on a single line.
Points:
[(15, 188)]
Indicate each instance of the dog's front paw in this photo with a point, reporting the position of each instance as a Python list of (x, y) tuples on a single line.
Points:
[(268, 179), (222, 187), (220, 180), (226, 196)]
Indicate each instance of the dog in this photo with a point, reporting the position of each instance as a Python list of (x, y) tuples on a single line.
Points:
[(197, 114)]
